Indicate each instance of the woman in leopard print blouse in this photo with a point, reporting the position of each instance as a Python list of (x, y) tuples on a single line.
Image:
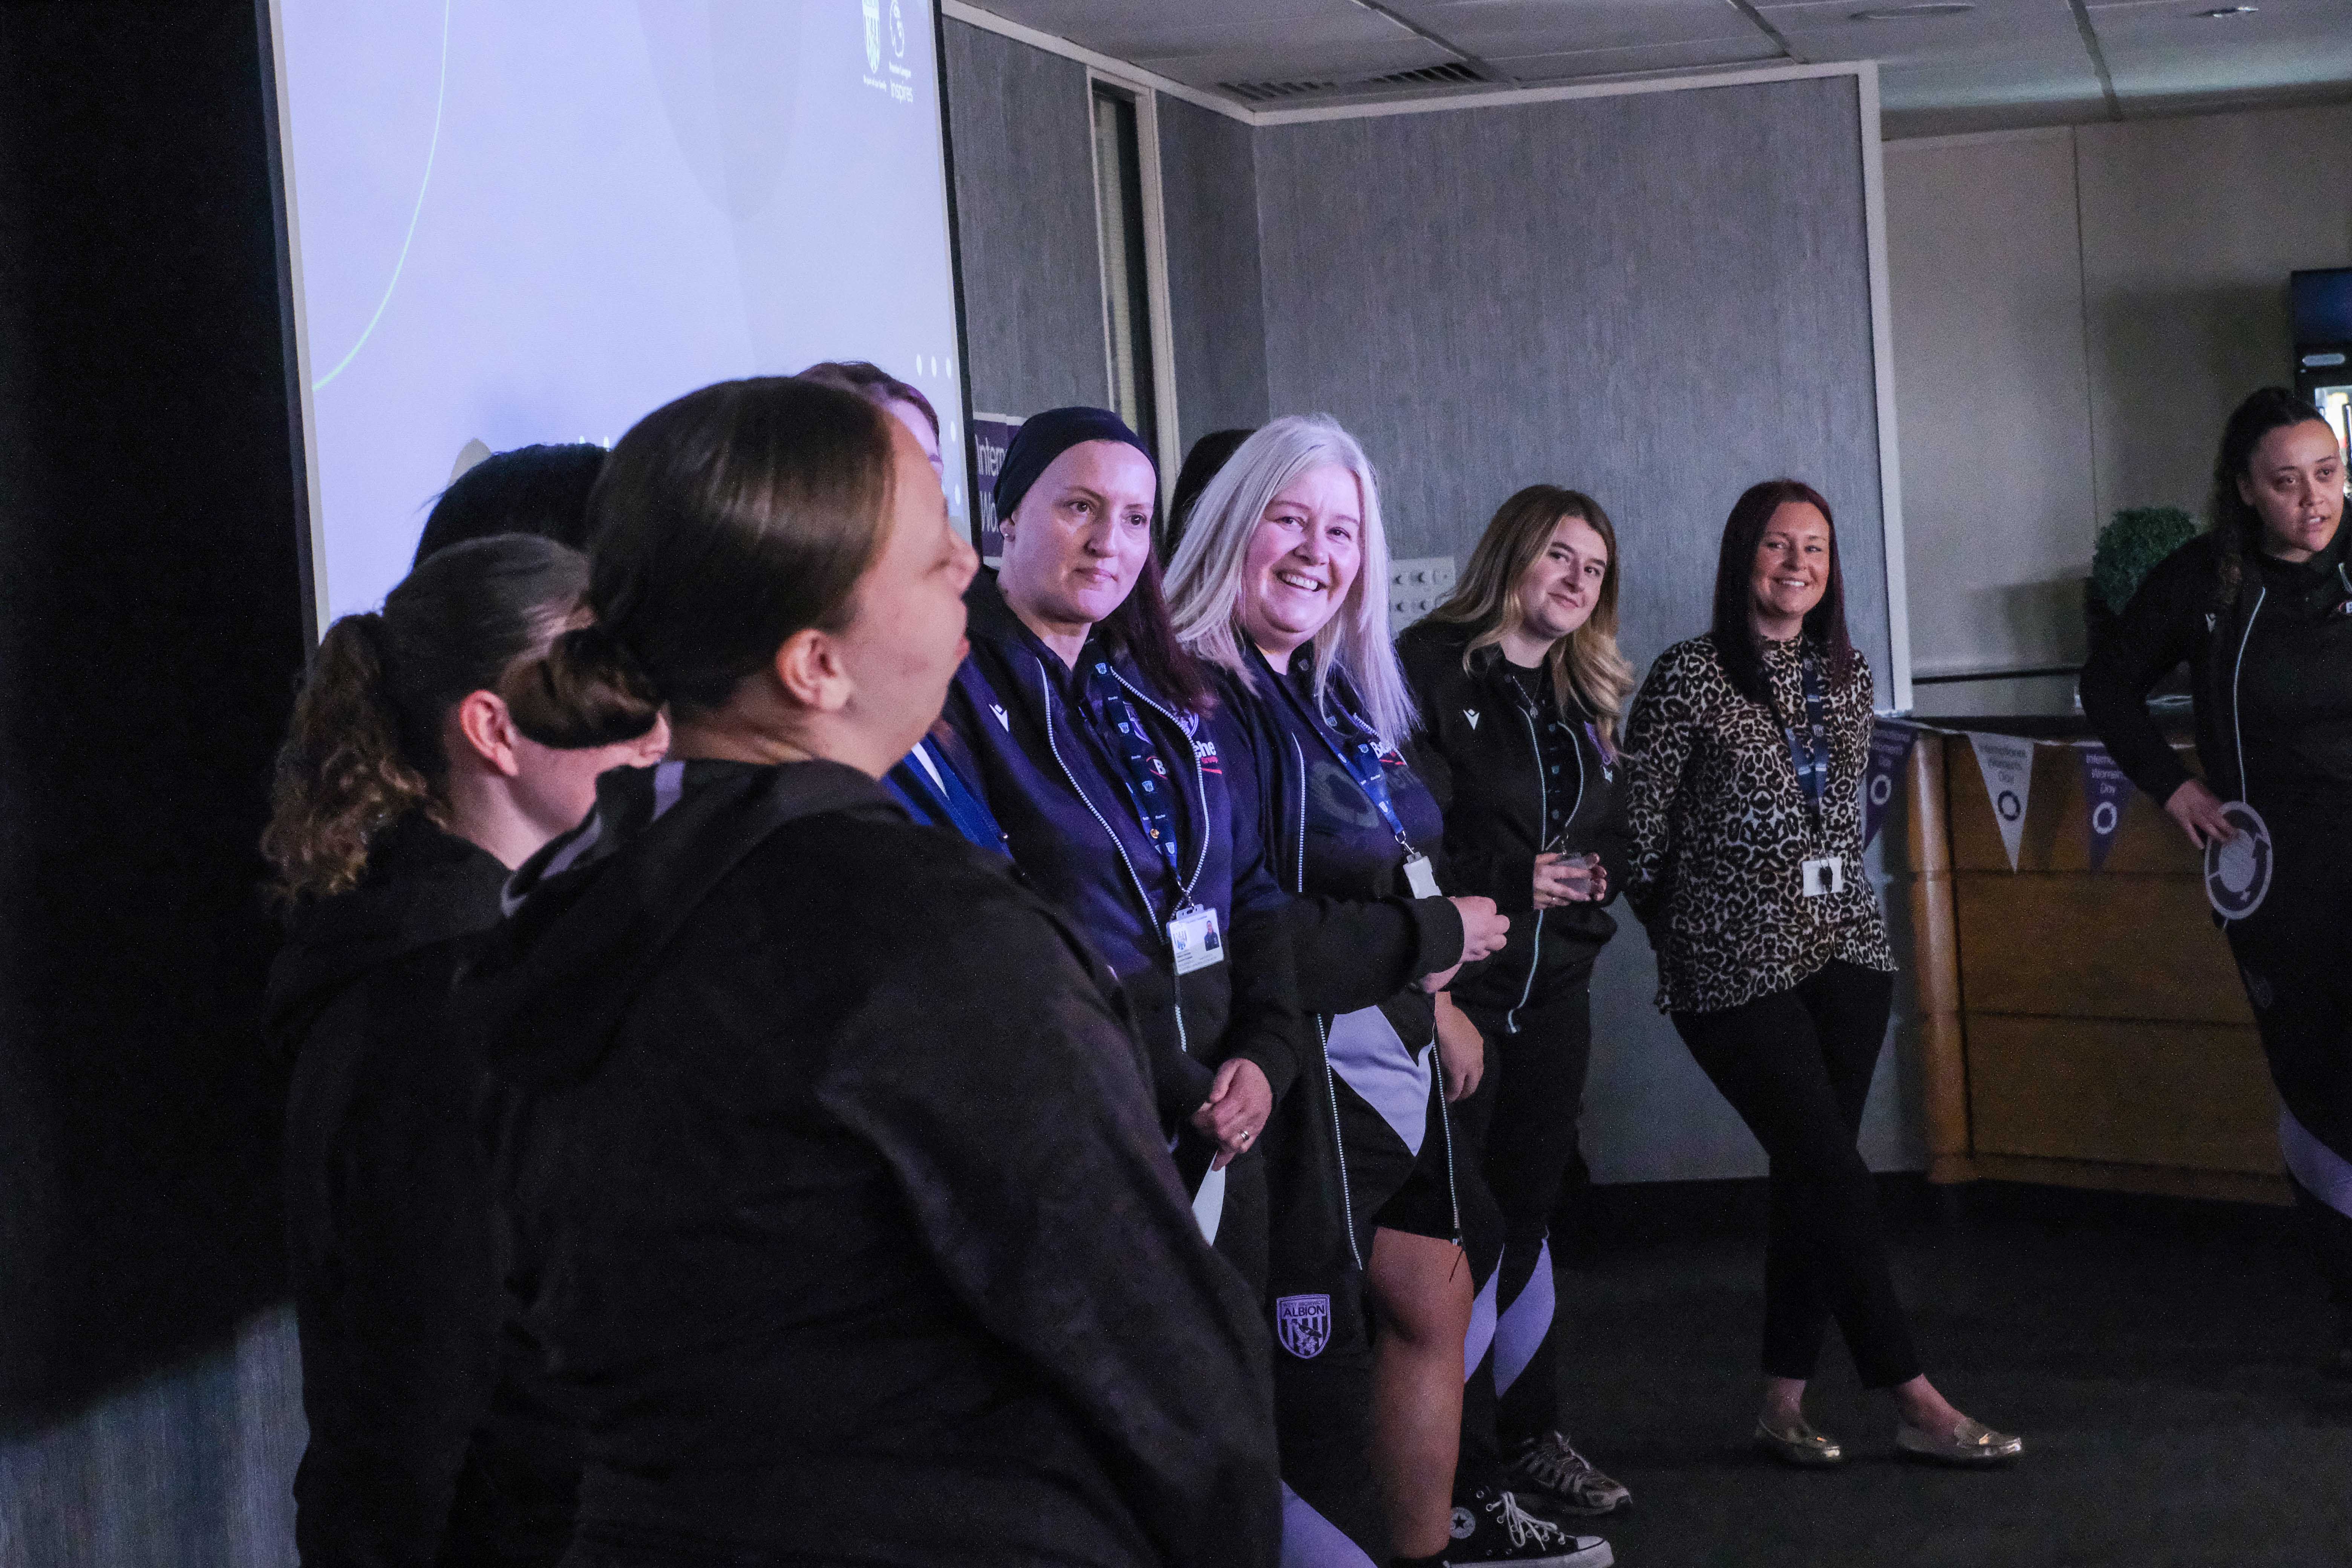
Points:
[(1746, 751)]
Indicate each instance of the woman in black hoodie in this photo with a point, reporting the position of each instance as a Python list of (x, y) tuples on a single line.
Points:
[(2260, 609), (404, 794), (829, 1166), (1519, 684)]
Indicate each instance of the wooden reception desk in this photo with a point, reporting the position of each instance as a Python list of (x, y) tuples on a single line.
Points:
[(2080, 1028)]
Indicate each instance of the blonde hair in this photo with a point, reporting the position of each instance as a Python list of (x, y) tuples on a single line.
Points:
[(1586, 664), (1204, 581)]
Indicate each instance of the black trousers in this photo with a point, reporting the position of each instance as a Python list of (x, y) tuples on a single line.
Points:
[(1797, 1066), (1519, 1132), (2294, 957)]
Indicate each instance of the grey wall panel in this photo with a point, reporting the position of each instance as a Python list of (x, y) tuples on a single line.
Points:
[(1208, 174), (1025, 215), (1659, 297)]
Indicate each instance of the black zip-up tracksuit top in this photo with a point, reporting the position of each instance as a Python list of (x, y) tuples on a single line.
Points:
[(1478, 749), (1072, 830), (833, 1188), (2280, 646), (390, 1236)]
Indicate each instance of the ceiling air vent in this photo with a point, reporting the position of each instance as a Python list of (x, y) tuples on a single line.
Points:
[(1268, 91), (1453, 73)]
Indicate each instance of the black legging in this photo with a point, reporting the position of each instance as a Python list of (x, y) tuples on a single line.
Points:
[(1797, 1066), (1521, 1127), (2294, 957)]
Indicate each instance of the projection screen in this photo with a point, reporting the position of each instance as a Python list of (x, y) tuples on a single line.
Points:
[(519, 221)]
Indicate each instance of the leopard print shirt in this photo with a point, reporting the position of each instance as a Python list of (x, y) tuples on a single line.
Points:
[(1719, 832)]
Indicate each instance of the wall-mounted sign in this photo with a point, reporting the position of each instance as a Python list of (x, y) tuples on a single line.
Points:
[(992, 434)]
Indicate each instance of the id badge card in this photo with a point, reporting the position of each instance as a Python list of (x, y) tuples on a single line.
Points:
[(1826, 876), (1194, 936), (1420, 876)]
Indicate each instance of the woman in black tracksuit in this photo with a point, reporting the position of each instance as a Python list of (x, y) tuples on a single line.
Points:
[(2261, 610), (1085, 724), (1273, 590), (404, 798), (831, 1174), (1519, 683)]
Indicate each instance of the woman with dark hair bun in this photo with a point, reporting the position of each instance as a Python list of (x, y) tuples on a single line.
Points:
[(404, 794), (2259, 608), (831, 1180), (1745, 750)]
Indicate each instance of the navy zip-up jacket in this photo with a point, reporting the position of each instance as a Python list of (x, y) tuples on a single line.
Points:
[(1066, 814)]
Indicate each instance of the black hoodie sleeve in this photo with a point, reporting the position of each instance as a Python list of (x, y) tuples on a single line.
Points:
[(2163, 624), (1057, 1219)]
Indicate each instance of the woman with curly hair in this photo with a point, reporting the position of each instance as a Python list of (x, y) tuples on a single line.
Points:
[(2261, 610), (404, 795)]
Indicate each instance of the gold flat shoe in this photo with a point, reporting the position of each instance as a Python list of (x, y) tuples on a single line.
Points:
[(1974, 1443), (1798, 1445)]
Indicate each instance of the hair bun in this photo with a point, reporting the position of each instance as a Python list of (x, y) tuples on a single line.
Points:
[(590, 688)]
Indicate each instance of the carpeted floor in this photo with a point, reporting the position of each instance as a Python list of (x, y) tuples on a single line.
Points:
[(2159, 1358)]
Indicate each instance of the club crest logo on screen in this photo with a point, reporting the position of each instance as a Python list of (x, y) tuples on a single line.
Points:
[(1303, 1324), (896, 80)]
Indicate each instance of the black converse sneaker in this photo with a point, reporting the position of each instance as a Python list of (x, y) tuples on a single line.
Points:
[(1491, 1527), (1554, 1478)]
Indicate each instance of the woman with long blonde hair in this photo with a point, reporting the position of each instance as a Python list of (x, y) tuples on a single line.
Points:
[(1519, 684), (1278, 588)]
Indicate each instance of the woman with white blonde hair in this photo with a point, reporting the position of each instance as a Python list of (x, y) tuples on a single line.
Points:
[(1277, 589)]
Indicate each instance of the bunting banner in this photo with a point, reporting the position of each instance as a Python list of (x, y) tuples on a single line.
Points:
[(1891, 741), (2006, 764), (2107, 791)]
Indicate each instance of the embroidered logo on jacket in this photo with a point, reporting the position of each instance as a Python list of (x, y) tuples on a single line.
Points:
[(1001, 716), (1471, 714), (1303, 1324)]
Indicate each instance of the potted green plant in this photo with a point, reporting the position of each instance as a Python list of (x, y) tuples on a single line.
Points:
[(2128, 549)]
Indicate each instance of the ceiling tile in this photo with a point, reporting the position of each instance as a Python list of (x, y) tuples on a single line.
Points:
[(2166, 50), (1497, 29), (1754, 48), (2014, 30)]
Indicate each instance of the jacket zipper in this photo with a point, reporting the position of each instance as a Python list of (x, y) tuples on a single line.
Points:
[(1046, 689), (1322, 1031), (2237, 724)]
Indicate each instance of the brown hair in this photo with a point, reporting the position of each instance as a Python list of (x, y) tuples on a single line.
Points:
[(1585, 665), (725, 522), (872, 382), (365, 748), (1734, 632)]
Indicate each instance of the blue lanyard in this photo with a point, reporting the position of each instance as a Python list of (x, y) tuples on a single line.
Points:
[(931, 788), (1359, 751), (1809, 754), (1145, 775)]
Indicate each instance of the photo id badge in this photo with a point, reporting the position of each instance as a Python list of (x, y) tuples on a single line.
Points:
[(1825, 876), (1193, 934), (1418, 877)]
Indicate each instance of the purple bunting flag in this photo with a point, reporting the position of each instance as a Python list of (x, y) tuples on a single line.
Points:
[(1890, 746), (2108, 792)]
